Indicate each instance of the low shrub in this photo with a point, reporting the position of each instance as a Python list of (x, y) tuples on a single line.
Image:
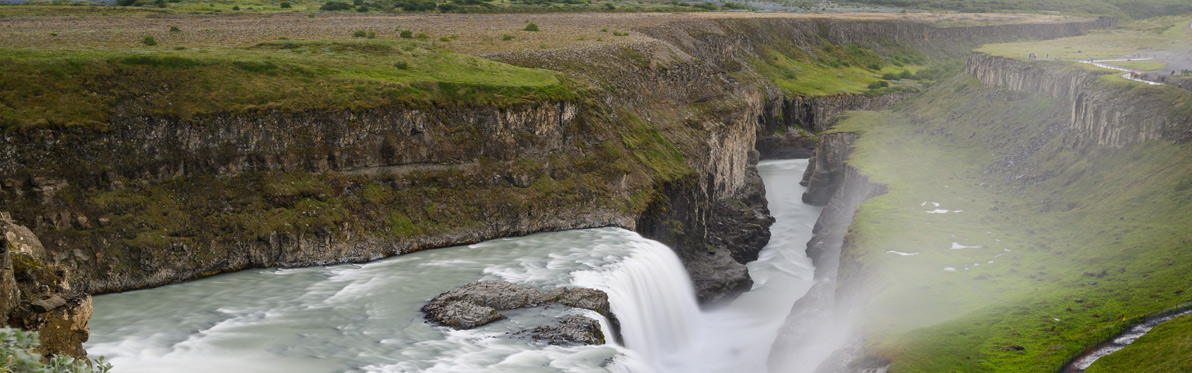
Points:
[(335, 6)]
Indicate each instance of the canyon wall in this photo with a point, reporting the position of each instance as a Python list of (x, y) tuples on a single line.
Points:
[(1104, 111)]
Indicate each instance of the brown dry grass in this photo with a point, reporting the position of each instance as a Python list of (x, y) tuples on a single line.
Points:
[(478, 34)]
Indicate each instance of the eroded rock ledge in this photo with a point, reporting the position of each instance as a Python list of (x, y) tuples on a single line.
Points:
[(477, 303)]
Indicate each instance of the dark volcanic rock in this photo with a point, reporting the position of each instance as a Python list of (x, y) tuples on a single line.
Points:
[(477, 303), (571, 330)]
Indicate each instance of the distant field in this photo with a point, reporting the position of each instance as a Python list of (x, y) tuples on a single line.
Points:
[(478, 34), (1162, 33)]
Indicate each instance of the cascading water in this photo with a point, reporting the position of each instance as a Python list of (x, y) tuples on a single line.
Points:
[(365, 317), (653, 298)]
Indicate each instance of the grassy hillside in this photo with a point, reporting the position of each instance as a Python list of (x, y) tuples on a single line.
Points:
[(1035, 252)]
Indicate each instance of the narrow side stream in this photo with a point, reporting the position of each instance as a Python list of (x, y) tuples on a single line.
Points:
[(1121, 341), (365, 318)]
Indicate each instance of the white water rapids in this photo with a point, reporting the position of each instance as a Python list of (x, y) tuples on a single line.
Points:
[(365, 318)]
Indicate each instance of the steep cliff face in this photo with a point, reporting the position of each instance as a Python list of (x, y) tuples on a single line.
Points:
[(787, 121), (1104, 112)]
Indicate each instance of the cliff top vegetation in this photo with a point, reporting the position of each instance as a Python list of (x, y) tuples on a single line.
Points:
[(80, 87), (65, 70)]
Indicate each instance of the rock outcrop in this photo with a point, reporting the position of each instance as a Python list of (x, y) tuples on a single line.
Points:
[(477, 303), (1103, 113), (36, 297), (569, 331)]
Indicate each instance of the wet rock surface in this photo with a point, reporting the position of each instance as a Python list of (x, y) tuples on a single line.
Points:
[(569, 331), (478, 303)]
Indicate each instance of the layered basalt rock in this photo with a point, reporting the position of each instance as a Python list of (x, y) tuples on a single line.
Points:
[(1102, 113)]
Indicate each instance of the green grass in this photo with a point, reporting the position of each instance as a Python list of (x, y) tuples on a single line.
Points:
[(1058, 212), (832, 70), (1140, 65), (1161, 33), (81, 87), (1166, 348)]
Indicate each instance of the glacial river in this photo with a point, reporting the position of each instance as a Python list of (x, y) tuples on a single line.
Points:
[(365, 318)]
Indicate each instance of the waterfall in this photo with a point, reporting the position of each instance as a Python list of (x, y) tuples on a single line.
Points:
[(653, 299)]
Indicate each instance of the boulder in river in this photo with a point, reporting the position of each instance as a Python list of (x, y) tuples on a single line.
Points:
[(477, 303), (570, 330)]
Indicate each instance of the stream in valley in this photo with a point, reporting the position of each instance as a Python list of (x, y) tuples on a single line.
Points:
[(365, 317)]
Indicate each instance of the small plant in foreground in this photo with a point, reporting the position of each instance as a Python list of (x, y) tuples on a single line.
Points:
[(285, 5), (175, 29), (148, 40), (531, 27), (406, 34), (507, 37), (18, 353), (403, 65), (235, 7), (359, 33)]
